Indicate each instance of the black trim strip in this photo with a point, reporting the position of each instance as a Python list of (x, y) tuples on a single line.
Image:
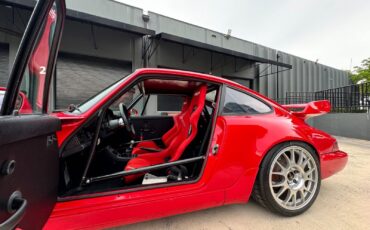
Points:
[(142, 170), (205, 46), (80, 16)]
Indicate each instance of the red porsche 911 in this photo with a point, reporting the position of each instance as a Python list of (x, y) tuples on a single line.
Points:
[(120, 157)]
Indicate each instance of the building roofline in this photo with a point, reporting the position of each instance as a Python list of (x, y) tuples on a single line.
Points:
[(81, 16)]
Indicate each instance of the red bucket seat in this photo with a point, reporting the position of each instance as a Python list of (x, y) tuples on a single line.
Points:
[(184, 137), (167, 138)]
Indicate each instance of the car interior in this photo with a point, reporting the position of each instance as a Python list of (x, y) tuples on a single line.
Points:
[(156, 132)]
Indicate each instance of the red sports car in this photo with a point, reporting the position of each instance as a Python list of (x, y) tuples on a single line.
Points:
[(156, 143)]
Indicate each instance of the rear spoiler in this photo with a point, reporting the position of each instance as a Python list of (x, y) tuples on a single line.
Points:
[(311, 109)]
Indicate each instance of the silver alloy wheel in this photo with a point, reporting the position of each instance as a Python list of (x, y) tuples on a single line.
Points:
[(293, 177)]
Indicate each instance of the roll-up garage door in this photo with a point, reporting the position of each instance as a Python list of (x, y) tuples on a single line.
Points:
[(4, 64), (80, 77)]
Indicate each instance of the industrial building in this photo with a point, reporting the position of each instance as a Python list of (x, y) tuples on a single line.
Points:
[(105, 40)]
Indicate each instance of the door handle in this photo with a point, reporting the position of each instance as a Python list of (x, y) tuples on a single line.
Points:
[(18, 205)]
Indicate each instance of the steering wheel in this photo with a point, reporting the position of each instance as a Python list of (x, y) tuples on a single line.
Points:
[(126, 119)]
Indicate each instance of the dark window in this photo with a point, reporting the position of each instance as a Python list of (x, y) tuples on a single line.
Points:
[(170, 103), (237, 102)]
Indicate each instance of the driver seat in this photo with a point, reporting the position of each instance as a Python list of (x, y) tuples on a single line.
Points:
[(187, 133), (146, 146)]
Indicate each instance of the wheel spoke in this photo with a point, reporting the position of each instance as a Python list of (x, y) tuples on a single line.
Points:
[(281, 166), (292, 156), (289, 197), (281, 191), (279, 184), (294, 199), (279, 173), (286, 159), (301, 157), (306, 190), (302, 195), (310, 171), (311, 180), (304, 163)]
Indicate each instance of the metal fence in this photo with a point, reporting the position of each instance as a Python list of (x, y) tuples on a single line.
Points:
[(347, 99)]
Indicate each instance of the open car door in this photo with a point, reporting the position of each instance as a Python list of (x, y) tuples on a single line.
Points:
[(28, 144)]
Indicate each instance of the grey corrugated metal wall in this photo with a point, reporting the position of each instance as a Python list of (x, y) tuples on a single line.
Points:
[(305, 76), (4, 64)]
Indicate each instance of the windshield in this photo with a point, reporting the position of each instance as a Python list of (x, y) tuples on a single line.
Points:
[(83, 107)]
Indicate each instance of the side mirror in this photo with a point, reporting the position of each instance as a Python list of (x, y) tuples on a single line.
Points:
[(22, 104)]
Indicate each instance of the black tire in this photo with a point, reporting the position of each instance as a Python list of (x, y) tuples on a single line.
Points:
[(262, 190)]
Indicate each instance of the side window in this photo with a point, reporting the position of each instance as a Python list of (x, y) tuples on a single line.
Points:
[(164, 104), (128, 98), (31, 94), (211, 96), (239, 103)]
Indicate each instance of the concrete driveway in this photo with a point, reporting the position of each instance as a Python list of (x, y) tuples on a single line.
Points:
[(343, 203)]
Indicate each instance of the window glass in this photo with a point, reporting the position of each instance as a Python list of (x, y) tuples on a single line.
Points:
[(211, 96), (127, 99), (169, 103), (31, 94), (83, 107), (1, 97), (237, 102), (138, 107), (164, 105)]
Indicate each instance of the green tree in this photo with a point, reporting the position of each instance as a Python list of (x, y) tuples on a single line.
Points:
[(362, 72)]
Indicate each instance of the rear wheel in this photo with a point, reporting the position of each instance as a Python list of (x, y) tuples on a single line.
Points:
[(289, 179)]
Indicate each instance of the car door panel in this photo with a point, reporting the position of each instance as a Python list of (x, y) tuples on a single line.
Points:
[(29, 144), (18, 128), (151, 127), (126, 208)]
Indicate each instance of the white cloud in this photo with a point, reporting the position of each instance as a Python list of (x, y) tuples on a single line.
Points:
[(333, 31)]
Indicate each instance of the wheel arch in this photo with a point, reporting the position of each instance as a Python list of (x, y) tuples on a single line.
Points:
[(282, 142)]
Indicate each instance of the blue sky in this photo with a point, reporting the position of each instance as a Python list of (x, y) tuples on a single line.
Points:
[(333, 31)]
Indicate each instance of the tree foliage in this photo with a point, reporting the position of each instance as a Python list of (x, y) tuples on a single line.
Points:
[(361, 73)]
